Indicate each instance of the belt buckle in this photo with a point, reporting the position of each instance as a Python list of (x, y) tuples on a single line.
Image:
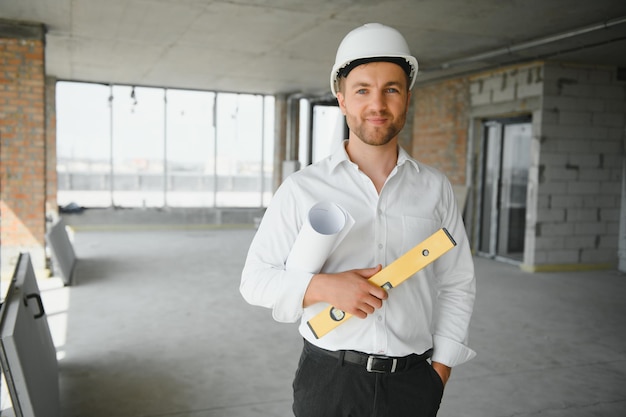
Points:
[(370, 362)]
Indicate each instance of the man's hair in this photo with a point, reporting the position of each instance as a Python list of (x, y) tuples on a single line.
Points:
[(344, 71)]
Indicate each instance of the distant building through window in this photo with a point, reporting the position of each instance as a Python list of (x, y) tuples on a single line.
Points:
[(127, 146)]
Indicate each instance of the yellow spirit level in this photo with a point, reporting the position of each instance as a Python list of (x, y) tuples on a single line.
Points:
[(389, 277)]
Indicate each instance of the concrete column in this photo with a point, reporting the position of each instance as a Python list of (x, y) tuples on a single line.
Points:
[(280, 138), (293, 128), (52, 209)]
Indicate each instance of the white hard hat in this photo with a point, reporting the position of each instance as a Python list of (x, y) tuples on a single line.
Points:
[(369, 42)]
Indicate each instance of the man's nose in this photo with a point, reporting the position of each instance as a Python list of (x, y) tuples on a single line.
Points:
[(377, 100)]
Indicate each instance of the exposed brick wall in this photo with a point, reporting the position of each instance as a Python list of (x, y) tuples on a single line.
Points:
[(440, 127), (22, 152)]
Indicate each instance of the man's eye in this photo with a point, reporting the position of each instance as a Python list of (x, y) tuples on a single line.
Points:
[(361, 91), (392, 90)]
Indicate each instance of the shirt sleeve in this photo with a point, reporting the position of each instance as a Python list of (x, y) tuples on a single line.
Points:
[(264, 280), (454, 272)]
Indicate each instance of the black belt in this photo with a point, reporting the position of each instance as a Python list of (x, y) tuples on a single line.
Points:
[(374, 363)]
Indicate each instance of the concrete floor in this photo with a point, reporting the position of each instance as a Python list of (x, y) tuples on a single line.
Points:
[(154, 326)]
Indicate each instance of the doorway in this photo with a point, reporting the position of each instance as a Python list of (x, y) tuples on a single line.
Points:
[(504, 183)]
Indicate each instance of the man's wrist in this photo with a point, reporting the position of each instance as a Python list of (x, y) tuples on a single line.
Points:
[(443, 371)]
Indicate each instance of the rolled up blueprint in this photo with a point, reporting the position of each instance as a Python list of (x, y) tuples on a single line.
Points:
[(324, 228)]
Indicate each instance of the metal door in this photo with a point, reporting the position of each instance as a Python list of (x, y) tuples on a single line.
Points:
[(506, 162), (27, 352)]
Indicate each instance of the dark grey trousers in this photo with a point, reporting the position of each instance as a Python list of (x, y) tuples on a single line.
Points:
[(325, 386)]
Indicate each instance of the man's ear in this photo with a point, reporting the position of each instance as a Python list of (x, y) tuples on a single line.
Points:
[(341, 100)]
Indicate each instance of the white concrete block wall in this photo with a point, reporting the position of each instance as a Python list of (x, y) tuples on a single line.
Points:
[(579, 127), (580, 167), (507, 85)]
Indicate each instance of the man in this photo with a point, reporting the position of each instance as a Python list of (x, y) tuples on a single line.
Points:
[(374, 364)]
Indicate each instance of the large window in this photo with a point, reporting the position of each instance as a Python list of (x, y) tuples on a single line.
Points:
[(322, 129), (153, 147), (84, 144), (138, 147), (190, 168), (239, 148)]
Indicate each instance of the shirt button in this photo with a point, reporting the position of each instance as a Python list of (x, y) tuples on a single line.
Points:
[(380, 246), (380, 318)]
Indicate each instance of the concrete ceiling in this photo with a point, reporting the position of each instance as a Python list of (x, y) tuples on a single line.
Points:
[(288, 46)]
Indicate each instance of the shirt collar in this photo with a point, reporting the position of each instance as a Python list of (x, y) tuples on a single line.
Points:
[(403, 157), (341, 155)]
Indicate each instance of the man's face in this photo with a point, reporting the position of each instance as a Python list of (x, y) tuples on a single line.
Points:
[(374, 98)]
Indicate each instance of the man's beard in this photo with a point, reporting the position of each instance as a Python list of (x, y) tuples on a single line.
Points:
[(375, 136)]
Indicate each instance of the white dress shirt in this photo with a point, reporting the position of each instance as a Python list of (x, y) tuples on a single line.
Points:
[(430, 309)]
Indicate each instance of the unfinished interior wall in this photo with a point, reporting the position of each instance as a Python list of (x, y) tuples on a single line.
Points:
[(580, 168), (440, 127), (23, 146), (575, 198)]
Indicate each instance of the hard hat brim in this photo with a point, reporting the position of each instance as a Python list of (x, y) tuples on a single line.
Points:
[(411, 60)]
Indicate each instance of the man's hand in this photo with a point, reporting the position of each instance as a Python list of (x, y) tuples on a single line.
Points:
[(443, 371), (348, 291)]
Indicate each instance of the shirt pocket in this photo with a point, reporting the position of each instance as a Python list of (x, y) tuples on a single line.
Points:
[(416, 229)]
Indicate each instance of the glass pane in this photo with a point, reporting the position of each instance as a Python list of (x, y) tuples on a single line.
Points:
[(239, 150), (83, 144), (514, 183), (491, 171), (138, 147), (190, 144), (328, 131)]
